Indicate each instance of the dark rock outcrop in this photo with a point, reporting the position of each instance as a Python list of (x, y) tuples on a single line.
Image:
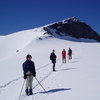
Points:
[(74, 28)]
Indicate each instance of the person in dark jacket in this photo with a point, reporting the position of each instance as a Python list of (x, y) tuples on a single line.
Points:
[(53, 59), (70, 53), (64, 56), (29, 72)]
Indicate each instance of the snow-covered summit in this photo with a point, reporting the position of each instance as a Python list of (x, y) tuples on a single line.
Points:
[(71, 19), (69, 29)]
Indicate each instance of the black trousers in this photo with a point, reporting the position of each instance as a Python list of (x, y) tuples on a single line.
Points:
[(54, 63), (70, 56), (53, 66)]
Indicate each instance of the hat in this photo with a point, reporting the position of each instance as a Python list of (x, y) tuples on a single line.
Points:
[(28, 56)]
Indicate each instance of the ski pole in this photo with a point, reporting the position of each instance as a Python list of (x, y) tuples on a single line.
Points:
[(21, 89), (40, 85), (32, 96)]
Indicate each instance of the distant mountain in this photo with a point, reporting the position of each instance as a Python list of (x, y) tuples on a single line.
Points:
[(72, 27)]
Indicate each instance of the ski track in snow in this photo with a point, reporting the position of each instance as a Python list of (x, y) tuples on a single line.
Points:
[(10, 82), (14, 80), (42, 80)]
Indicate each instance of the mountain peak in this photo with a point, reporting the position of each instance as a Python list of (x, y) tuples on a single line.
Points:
[(71, 19), (72, 27)]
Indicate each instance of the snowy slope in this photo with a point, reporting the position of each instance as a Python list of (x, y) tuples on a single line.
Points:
[(78, 79)]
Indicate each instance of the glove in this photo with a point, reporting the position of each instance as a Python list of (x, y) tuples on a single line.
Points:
[(25, 76), (34, 75)]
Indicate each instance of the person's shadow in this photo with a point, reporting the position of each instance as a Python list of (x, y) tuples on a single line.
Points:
[(74, 61), (54, 90), (66, 69)]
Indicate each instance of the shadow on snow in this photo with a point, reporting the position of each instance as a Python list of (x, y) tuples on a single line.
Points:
[(55, 90), (66, 69)]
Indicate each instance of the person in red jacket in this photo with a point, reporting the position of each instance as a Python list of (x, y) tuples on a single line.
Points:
[(64, 56)]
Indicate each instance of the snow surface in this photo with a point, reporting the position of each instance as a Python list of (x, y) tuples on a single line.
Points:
[(78, 79)]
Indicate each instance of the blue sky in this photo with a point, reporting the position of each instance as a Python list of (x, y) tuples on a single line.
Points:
[(17, 15)]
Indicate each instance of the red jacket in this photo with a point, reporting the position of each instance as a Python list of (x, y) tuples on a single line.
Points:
[(63, 53)]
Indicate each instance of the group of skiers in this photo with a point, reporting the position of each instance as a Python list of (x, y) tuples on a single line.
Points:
[(53, 57), (30, 72)]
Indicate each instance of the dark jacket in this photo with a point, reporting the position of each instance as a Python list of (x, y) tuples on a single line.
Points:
[(53, 57), (29, 66), (69, 52)]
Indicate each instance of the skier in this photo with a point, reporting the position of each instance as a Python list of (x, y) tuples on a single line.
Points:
[(70, 53), (53, 59), (29, 73), (64, 56)]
